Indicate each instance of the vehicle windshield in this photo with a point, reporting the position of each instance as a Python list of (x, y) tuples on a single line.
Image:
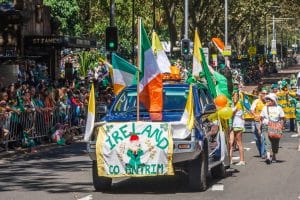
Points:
[(174, 100)]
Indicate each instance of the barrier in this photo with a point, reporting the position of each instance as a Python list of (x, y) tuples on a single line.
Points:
[(39, 122)]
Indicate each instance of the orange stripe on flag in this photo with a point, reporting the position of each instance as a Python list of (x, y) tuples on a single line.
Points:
[(118, 88), (151, 95)]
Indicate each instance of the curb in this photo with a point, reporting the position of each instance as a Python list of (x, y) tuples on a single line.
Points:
[(39, 148)]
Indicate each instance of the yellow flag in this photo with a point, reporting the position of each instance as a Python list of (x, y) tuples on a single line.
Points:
[(188, 114), (197, 60), (91, 115)]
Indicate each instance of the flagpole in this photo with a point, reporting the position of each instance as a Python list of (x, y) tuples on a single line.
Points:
[(138, 71)]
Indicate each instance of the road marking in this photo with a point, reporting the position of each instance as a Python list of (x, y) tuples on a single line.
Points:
[(294, 135), (88, 197), (217, 187)]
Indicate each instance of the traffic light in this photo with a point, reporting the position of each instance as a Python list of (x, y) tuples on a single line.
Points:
[(185, 46), (111, 37)]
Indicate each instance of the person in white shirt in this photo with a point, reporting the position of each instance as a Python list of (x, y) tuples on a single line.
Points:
[(271, 113)]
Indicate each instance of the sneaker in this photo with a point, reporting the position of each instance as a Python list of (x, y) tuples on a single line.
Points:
[(274, 161), (241, 163), (268, 161)]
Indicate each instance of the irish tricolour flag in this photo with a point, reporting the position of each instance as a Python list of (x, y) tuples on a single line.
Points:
[(150, 84), (91, 115), (124, 73)]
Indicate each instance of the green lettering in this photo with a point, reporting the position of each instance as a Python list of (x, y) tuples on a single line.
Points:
[(133, 128), (134, 170), (147, 130), (147, 169), (124, 132), (153, 169), (163, 143), (116, 137), (160, 168), (111, 145)]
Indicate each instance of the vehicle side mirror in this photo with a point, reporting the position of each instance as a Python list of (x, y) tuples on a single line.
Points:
[(102, 109), (208, 109)]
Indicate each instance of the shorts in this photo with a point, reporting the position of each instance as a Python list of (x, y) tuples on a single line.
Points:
[(238, 129)]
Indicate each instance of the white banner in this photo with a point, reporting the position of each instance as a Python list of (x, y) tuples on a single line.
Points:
[(134, 149)]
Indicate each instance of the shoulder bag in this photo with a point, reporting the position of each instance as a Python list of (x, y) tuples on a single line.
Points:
[(274, 128)]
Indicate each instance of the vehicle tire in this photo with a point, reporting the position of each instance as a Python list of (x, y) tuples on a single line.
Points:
[(100, 183), (198, 172), (219, 171)]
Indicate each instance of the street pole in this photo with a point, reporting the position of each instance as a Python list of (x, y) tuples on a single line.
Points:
[(186, 15), (226, 23), (132, 33), (154, 27), (226, 32), (112, 13), (274, 39)]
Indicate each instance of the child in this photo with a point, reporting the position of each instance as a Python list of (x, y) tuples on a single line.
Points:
[(28, 142)]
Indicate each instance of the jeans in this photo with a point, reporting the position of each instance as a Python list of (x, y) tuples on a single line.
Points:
[(259, 140)]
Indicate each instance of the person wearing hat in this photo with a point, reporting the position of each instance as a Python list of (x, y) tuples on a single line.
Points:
[(256, 108), (274, 88), (271, 113)]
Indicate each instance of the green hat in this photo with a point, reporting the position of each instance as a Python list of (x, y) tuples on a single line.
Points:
[(222, 66), (264, 90), (274, 85), (283, 84)]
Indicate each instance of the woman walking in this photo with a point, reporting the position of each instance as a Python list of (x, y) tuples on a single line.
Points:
[(238, 127), (272, 123)]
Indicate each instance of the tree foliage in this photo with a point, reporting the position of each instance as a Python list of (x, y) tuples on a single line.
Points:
[(248, 20)]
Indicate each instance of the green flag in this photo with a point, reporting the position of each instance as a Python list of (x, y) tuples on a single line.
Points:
[(210, 82)]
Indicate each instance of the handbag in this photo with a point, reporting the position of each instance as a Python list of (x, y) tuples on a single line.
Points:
[(274, 128)]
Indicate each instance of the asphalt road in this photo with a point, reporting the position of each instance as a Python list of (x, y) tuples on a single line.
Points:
[(64, 173)]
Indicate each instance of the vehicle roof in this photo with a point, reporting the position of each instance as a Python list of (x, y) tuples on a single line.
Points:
[(166, 85)]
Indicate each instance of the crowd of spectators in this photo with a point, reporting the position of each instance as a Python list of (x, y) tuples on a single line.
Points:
[(68, 98)]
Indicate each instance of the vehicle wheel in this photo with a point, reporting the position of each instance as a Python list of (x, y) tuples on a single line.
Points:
[(219, 171), (198, 171), (100, 183)]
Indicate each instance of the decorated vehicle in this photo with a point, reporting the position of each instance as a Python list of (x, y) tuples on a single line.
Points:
[(123, 146)]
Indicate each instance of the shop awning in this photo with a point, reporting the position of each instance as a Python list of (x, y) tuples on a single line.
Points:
[(59, 41)]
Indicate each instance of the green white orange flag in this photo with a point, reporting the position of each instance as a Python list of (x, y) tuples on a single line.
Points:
[(161, 56), (188, 114), (124, 73), (91, 115), (150, 84), (219, 44), (197, 60)]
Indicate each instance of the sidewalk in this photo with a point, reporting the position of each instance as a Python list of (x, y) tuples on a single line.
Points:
[(42, 147), (274, 78)]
